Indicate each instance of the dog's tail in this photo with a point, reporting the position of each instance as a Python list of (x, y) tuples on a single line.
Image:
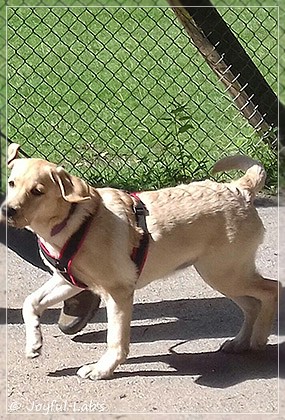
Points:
[(255, 174)]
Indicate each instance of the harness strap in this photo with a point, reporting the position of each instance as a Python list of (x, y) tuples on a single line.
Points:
[(139, 254), (67, 254), (71, 247)]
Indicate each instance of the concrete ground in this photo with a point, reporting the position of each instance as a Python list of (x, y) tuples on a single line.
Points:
[(193, 377)]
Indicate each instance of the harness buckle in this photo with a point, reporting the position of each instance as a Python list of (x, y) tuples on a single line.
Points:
[(56, 264), (139, 210)]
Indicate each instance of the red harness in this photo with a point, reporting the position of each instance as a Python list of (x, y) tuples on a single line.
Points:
[(67, 254)]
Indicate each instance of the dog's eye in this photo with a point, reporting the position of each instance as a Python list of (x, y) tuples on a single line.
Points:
[(11, 184), (37, 192)]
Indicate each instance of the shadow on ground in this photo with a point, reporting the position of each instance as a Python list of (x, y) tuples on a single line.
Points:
[(214, 369)]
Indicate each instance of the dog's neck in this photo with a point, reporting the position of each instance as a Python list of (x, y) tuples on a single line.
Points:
[(60, 226), (55, 232)]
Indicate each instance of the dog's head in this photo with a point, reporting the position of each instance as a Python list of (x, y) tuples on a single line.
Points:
[(38, 190)]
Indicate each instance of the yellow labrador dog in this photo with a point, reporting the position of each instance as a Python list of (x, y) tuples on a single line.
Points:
[(212, 226)]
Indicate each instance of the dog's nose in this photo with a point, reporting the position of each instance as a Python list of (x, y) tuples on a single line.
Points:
[(8, 211)]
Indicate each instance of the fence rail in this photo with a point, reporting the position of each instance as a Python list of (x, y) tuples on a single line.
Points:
[(122, 96)]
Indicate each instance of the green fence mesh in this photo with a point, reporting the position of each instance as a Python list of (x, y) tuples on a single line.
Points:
[(122, 97)]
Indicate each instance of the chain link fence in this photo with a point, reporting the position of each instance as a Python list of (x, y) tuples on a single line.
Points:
[(122, 97)]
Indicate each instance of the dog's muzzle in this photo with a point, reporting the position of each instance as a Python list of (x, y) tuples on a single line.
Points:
[(8, 212)]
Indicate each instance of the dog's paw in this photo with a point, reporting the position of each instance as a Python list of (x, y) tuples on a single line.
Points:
[(235, 346), (92, 372), (31, 352)]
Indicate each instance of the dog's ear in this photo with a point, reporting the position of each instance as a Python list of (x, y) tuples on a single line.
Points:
[(72, 189), (13, 151)]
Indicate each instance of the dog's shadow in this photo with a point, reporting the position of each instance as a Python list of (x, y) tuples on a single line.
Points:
[(213, 369), (183, 320), (203, 318), (180, 319)]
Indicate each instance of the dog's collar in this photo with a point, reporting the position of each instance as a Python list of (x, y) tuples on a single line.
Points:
[(58, 228)]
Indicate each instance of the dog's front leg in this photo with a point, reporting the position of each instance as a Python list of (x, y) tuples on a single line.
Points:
[(53, 291), (119, 311)]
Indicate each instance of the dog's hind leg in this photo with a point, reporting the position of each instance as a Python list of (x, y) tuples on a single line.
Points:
[(238, 280), (259, 307), (250, 308), (266, 291), (53, 291)]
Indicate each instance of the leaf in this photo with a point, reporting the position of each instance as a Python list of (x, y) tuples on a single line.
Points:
[(187, 117), (166, 118), (179, 109), (185, 128)]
